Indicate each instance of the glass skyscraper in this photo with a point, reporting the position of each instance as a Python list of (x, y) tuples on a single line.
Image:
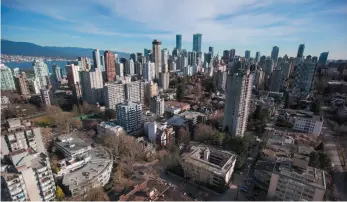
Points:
[(179, 41), (274, 53), (301, 50), (197, 42), (323, 58), (247, 54), (257, 56)]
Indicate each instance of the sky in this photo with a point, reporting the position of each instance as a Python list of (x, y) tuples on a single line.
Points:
[(131, 25)]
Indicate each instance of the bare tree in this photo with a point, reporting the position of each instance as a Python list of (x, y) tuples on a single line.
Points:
[(96, 194), (183, 136)]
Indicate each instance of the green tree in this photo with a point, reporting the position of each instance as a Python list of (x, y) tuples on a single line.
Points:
[(110, 114), (59, 194)]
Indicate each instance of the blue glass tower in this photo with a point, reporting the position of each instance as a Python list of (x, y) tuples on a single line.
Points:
[(197, 42), (178, 41), (323, 58), (301, 50)]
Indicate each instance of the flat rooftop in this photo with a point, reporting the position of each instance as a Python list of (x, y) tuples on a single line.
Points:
[(155, 190), (210, 158), (70, 143), (100, 160), (171, 103)]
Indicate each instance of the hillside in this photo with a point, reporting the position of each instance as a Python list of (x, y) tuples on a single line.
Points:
[(31, 49)]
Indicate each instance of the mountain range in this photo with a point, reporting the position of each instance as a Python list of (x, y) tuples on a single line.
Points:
[(31, 49)]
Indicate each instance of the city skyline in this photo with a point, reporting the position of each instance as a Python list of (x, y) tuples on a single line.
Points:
[(223, 25)]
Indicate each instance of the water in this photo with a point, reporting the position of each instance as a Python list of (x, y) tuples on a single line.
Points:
[(28, 65)]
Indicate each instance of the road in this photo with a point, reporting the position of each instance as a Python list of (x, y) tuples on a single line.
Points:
[(339, 174)]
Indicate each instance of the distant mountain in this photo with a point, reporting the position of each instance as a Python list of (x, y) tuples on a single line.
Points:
[(30, 49)]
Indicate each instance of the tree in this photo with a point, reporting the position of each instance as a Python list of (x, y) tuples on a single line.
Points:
[(59, 194), (110, 114), (117, 177), (320, 147), (315, 107), (86, 108), (218, 138), (96, 194), (75, 110), (314, 159), (183, 136), (203, 133)]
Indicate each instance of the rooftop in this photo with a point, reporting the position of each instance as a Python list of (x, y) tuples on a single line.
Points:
[(100, 160), (171, 103), (218, 161), (70, 144), (155, 190)]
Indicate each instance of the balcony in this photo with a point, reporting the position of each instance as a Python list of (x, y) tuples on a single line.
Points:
[(43, 169), (48, 195), (46, 181), (16, 191)]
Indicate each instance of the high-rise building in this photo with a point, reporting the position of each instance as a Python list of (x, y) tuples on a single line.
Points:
[(232, 53), (73, 76), (57, 72), (46, 97), (148, 70), (129, 116), (151, 90), (102, 62), (257, 57), (304, 76), (157, 105), (247, 54), (192, 58), (258, 80), (22, 85), (134, 91), (315, 59), (226, 56), (120, 69), (188, 70), (274, 54), (172, 65), (197, 38), (7, 79), (92, 86), (164, 79), (268, 67), (129, 67), (133, 56), (96, 58), (287, 68), (276, 80), (84, 62), (220, 79), (323, 58), (114, 93), (301, 51), (178, 42), (238, 94), (110, 65), (157, 57), (210, 50), (164, 60), (41, 72)]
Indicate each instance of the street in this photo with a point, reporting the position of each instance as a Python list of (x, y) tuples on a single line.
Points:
[(339, 174)]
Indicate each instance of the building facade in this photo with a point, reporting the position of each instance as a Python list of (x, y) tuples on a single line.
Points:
[(73, 75), (41, 73), (197, 40), (157, 57), (7, 79), (110, 65), (157, 105), (238, 94), (129, 116), (92, 86)]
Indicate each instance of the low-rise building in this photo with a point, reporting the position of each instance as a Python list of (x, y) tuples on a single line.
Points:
[(208, 165), (176, 107), (160, 133), (109, 128), (155, 190), (83, 167)]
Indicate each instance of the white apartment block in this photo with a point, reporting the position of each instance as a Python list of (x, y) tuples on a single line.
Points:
[(148, 71), (45, 96), (164, 79), (41, 72), (129, 116), (238, 95), (114, 94), (129, 67), (208, 165), (134, 91), (297, 185), (309, 124), (73, 76), (92, 86)]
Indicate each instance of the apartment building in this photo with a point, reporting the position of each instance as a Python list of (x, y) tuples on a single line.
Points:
[(157, 105), (208, 165), (129, 115), (238, 95), (92, 86), (22, 85), (7, 81), (28, 178), (82, 167), (297, 184), (109, 128)]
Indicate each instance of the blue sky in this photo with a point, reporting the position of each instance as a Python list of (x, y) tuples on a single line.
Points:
[(131, 25)]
